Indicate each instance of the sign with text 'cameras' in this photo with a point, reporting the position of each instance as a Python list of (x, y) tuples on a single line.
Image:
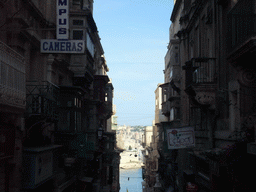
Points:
[(66, 46), (62, 44)]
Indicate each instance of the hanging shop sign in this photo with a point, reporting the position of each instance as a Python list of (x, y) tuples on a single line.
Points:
[(179, 138), (62, 19), (62, 44), (191, 187), (57, 46)]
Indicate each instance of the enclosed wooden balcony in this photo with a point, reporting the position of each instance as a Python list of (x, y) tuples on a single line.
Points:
[(77, 144), (201, 80), (170, 97), (165, 102), (103, 95), (241, 36), (82, 67), (40, 165), (12, 77)]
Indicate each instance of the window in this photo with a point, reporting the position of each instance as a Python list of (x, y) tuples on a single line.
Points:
[(76, 2), (176, 57), (165, 94), (90, 45), (78, 22), (77, 102), (174, 113), (196, 118), (79, 119), (78, 34), (36, 105), (106, 96), (171, 72), (75, 120)]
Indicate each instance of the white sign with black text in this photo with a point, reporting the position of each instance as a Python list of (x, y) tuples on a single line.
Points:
[(62, 44), (67, 46), (179, 138), (62, 30)]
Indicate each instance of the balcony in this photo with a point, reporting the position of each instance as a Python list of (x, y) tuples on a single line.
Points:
[(76, 144), (42, 99), (107, 105), (165, 95), (166, 108), (71, 109), (82, 147), (241, 37), (201, 80), (100, 85), (82, 67), (170, 97), (12, 78), (38, 162)]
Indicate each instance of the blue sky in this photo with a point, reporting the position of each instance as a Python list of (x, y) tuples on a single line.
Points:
[(134, 35)]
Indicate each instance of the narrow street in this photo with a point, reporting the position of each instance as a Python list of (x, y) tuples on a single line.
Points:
[(127, 95)]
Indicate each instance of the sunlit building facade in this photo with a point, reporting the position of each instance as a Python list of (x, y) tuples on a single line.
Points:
[(212, 44)]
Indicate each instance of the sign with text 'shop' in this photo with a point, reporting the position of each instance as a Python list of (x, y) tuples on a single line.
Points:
[(179, 138)]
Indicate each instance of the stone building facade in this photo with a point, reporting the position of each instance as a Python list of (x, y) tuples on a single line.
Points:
[(54, 106), (215, 94)]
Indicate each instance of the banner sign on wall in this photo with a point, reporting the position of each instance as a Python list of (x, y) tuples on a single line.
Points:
[(179, 138)]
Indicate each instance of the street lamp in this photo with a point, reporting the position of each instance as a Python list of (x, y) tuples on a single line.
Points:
[(100, 132)]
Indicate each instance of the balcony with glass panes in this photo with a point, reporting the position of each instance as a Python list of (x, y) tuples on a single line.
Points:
[(12, 77), (241, 36)]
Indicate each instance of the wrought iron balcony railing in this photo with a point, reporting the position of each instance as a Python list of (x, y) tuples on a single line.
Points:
[(201, 81), (200, 71), (42, 99), (12, 77)]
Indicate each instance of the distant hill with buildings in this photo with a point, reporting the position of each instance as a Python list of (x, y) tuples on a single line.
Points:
[(129, 137)]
